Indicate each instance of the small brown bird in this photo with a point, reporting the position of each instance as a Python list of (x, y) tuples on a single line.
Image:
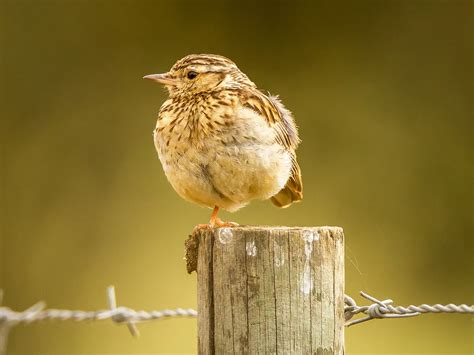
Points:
[(221, 141)]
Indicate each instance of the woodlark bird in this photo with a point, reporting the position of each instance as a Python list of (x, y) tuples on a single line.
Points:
[(221, 141)]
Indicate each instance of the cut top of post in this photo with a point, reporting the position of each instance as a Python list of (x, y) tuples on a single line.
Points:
[(225, 235)]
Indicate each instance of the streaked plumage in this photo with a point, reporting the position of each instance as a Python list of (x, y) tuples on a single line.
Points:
[(221, 141)]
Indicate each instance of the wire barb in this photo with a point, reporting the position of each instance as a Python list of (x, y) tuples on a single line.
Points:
[(118, 316), (384, 309)]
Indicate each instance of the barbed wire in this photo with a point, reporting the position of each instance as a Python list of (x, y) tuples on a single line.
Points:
[(119, 315), (124, 315), (384, 309), (37, 313)]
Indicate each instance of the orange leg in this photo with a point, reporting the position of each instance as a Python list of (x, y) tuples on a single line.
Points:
[(215, 221), (212, 221)]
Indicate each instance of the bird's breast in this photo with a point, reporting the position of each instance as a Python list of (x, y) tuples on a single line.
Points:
[(227, 156)]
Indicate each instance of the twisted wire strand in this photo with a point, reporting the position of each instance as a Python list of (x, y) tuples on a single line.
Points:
[(384, 309), (120, 315)]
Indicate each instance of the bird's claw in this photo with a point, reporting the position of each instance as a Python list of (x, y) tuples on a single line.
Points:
[(218, 223)]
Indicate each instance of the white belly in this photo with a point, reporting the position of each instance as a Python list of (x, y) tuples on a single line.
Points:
[(225, 170)]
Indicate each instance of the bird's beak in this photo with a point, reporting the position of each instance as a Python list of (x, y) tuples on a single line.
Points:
[(161, 78)]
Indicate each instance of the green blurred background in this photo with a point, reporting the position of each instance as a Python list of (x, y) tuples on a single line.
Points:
[(381, 91)]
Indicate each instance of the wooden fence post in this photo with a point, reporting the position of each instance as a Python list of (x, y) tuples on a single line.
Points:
[(269, 290)]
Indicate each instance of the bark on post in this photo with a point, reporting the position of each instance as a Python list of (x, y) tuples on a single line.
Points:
[(269, 290)]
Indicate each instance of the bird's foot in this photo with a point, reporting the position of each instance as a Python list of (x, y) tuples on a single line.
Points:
[(218, 223)]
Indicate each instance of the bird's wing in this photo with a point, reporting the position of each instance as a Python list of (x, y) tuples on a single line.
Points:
[(281, 120)]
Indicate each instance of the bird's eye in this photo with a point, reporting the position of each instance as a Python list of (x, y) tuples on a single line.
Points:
[(191, 75)]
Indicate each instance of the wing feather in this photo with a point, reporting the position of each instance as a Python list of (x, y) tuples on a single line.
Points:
[(281, 120)]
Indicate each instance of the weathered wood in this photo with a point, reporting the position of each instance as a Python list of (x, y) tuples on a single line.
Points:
[(269, 290)]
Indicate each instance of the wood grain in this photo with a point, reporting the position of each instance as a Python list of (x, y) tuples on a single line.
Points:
[(270, 290)]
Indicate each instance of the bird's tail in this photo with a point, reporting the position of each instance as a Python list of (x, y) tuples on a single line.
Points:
[(293, 190)]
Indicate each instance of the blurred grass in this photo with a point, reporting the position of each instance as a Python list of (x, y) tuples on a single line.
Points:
[(381, 90)]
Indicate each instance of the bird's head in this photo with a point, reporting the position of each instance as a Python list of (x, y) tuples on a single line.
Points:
[(198, 73)]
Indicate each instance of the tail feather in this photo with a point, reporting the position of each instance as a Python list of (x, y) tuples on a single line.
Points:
[(293, 190)]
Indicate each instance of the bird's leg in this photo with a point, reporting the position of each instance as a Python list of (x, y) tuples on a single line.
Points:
[(215, 221), (212, 221)]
